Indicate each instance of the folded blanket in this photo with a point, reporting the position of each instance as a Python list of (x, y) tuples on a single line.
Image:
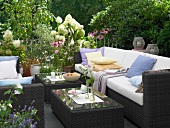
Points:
[(101, 79)]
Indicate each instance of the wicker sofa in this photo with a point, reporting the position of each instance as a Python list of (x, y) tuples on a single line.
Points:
[(32, 92), (154, 110)]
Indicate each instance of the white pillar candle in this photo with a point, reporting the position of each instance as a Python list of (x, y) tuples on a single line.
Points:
[(83, 88), (52, 73)]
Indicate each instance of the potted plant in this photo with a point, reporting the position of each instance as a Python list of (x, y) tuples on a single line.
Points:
[(39, 50), (68, 37)]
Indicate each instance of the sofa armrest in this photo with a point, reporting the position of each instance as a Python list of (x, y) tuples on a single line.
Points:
[(77, 58), (31, 92), (156, 98)]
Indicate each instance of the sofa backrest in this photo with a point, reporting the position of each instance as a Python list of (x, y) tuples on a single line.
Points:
[(115, 53), (161, 63), (124, 57), (130, 57)]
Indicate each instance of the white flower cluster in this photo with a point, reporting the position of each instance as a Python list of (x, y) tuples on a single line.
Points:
[(8, 37), (69, 30)]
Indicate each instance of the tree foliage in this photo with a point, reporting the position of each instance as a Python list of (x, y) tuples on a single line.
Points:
[(81, 10), (131, 18)]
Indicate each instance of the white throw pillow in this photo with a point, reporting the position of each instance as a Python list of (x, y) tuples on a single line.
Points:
[(103, 60), (8, 70)]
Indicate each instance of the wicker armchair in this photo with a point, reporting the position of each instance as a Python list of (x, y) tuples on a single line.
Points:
[(155, 113), (32, 92)]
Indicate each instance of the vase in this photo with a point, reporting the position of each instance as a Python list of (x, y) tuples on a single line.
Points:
[(138, 43), (152, 49), (92, 96), (35, 69), (87, 91)]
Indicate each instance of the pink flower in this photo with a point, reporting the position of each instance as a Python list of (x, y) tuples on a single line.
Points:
[(100, 37), (70, 58), (103, 32), (56, 51)]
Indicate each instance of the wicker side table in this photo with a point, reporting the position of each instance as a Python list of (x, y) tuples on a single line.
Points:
[(107, 114), (48, 86)]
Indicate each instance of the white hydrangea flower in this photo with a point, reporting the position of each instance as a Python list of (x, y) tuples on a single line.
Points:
[(80, 27), (16, 43), (59, 19), (57, 37), (61, 29), (62, 38), (8, 35), (68, 18), (53, 33), (86, 44)]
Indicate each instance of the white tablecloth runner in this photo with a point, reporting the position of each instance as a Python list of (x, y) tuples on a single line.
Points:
[(80, 99)]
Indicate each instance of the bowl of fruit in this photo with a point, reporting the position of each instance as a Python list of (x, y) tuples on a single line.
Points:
[(71, 76)]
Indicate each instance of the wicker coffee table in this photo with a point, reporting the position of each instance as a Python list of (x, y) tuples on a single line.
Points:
[(106, 114), (48, 85)]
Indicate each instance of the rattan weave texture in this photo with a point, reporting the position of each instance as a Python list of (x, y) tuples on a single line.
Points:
[(155, 113), (31, 92), (60, 85), (89, 118)]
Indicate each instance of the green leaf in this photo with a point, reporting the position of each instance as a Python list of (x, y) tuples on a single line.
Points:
[(7, 92)]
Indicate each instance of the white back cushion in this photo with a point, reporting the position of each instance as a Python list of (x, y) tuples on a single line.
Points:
[(115, 53), (161, 63), (8, 70), (130, 57)]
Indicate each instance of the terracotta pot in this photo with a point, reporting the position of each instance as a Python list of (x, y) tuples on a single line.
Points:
[(27, 70), (68, 69)]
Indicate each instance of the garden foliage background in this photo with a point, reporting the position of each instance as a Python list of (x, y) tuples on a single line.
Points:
[(126, 18)]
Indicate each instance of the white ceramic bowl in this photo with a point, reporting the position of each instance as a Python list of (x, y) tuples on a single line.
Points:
[(71, 76)]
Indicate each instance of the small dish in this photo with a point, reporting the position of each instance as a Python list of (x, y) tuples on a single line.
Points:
[(74, 92)]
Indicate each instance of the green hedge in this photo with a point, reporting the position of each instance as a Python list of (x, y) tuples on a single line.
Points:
[(81, 10), (131, 18)]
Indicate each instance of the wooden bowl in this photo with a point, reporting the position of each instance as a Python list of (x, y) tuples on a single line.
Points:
[(71, 76)]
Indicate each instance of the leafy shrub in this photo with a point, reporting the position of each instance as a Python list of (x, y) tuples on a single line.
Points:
[(81, 10), (130, 18)]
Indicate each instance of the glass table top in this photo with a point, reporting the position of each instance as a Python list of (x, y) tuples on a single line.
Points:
[(43, 77), (63, 95)]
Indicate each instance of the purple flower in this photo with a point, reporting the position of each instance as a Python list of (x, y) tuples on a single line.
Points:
[(103, 32), (21, 125), (100, 37), (56, 51)]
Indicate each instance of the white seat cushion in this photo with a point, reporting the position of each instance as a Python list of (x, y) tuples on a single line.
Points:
[(122, 86)]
